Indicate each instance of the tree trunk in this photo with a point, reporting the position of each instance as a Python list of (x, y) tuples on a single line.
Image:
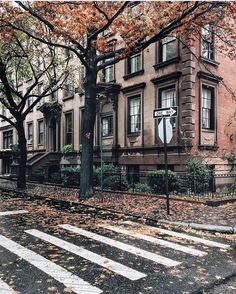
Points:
[(86, 174), (21, 179)]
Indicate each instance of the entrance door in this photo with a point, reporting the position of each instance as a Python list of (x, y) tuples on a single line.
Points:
[(53, 135)]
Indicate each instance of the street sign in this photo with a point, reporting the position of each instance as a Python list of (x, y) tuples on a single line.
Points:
[(165, 112), (169, 130)]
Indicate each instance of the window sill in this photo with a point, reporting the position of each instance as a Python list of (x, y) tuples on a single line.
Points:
[(110, 82), (134, 134), (209, 61), (134, 74), (68, 98), (208, 130), (208, 147), (107, 137), (165, 63)]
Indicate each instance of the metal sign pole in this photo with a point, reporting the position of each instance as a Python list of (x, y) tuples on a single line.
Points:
[(166, 168)]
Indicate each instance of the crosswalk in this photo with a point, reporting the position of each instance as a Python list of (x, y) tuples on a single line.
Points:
[(101, 234), (5, 289)]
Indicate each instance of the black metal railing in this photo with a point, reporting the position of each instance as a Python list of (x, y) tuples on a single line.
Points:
[(209, 186)]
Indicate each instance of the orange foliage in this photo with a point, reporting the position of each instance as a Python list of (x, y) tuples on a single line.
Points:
[(76, 21)]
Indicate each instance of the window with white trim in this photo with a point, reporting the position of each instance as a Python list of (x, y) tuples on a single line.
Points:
[(107, 126), (69, 128), (168, 49), (167, 98), (41, 132), (134, 114), (30, 133), (7, 139), (134, 63), (208, 108), (69, 88), (207, 43)]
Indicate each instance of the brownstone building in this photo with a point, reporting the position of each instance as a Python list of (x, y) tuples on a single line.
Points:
[(166, 74)]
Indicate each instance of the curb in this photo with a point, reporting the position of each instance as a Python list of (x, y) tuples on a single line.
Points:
[(109, 213), (203, 227)]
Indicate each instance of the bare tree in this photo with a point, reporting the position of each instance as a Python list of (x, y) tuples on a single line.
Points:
[(23, 58)]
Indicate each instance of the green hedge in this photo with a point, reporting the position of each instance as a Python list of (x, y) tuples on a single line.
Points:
[(68, 176), (156, 181), (199, 176), (111, 177)]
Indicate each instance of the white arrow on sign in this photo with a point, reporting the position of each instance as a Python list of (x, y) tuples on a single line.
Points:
[(169, 130), (164, 112)]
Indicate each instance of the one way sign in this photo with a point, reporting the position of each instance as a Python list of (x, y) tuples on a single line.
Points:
[(165, 112)]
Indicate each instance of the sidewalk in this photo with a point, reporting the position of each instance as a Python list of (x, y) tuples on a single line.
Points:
[(145, 206)]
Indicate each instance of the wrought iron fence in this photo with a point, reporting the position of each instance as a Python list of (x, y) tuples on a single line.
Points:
[(180, 184)]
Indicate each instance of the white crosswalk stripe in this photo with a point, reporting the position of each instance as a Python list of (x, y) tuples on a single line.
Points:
[(151, 239), (60, 274), (188, 237), (5, 289), (12, 212), (89, 255), (123, 246)]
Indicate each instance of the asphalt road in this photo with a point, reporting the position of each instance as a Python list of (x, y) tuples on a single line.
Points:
[(44, 250)]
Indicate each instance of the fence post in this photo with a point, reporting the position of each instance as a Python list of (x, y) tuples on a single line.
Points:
[(133, 182), (213, 185), (194, 183)]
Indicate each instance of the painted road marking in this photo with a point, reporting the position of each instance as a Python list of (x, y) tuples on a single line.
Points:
[(125, 247), (189, 237), (116, 267), (60, 274), (5, 289), (151, 239), (3, 213)]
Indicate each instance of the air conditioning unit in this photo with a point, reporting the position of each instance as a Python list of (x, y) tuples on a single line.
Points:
[(29, 141)]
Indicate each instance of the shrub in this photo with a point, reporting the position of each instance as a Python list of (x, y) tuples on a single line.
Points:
[(141, 188), (66, 149), (56, 177), (112, 177), (70, 176), (156, 181), (198, 175)]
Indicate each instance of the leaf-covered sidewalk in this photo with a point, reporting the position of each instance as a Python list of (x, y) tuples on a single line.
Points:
[(146, 206)]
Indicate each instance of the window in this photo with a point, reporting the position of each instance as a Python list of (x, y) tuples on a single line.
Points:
[(134, 63), (168, 49), (30, 133), (107, 126), (69, 128), (69, 88), (207, 107), (207, 44), (109, 73), (7, 139), (41, 132), (134, 114), (167, 98)]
